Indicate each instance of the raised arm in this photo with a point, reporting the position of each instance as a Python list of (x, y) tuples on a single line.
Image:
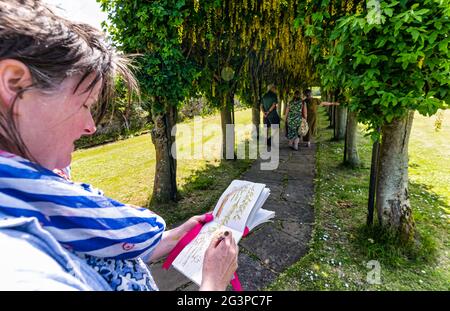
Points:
[(171, 237)]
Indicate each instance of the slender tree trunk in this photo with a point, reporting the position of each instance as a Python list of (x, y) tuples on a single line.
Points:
[(228, 135), (351, 156), (324, 96), (280, 101), (333, 109), (373, 180), (165, 182), (255, 86), (283, 107), (332, 117), (341, 122), (256, 116), (392, 199)]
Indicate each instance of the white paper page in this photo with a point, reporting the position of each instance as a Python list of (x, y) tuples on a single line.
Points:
[(260, 217), (190, 260), (259, 203), (236, 203)]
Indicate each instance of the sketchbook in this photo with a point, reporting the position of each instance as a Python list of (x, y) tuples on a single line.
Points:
[(239, 206)]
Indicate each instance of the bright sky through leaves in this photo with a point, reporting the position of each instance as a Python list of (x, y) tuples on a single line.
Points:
[(87, 11)]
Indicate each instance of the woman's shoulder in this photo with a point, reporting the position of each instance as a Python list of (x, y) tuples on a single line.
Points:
[(26, 266), (36, 261)]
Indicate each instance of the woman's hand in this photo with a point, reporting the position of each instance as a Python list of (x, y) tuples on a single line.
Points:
[(220, 263)]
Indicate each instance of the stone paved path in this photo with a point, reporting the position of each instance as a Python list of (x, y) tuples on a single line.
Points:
[(271, 247)]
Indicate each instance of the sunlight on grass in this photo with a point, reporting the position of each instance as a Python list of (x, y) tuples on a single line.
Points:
[(429, 154), (124, 170)]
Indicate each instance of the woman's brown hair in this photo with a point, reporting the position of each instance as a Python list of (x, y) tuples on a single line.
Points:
[(53, 49)]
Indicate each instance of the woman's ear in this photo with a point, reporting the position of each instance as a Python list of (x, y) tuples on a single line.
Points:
[(14, 76)]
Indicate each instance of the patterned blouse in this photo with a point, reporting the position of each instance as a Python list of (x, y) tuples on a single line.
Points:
[(113, 238), (294, 118)]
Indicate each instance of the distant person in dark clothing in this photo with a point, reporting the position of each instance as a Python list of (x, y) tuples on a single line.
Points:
[(269, 108)]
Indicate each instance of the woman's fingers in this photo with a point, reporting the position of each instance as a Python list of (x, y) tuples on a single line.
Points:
[(205, 218), (215, 241)]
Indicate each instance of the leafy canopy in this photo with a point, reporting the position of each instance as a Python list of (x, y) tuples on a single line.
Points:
[(392, 57)]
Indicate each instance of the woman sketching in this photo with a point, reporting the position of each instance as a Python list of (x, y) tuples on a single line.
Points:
[(62, 235)]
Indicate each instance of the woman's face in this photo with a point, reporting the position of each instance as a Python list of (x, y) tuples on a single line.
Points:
[(50, 123)]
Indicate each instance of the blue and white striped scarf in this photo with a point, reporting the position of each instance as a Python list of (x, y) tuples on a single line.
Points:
[(77, 215)]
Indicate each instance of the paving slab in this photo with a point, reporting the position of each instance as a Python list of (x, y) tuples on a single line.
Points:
[(275, 248), (289, 211), (168, 280), (252, 274), (300, 231)]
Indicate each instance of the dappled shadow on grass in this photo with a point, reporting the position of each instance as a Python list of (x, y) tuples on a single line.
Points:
[(430, 212), (201, 191)]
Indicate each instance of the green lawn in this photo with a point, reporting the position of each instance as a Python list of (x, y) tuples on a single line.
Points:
[(124, 170), (342, 246), (429, 163)]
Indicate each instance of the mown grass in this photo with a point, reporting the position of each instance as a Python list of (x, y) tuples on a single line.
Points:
[(125, 170), (343, 249)]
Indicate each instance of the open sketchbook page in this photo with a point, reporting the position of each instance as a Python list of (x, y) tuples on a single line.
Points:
[(258, 215), (236, 203), (230, 214), (190, 260)]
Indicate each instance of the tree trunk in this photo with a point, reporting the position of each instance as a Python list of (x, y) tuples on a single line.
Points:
[(228, 136), (165, 182), (255, 84), (283, 107), (330, 109), (332, 117), (392, 200), (373, 180), (351, 156), (341, 122), (256, 116), (280, 102)]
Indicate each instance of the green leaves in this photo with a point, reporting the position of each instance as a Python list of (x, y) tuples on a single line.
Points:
[(396, 65), (152, 29), (443, 46)]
